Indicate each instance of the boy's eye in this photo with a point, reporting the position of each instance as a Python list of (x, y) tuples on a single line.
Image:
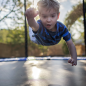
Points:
[(53, 15), (44, 16)]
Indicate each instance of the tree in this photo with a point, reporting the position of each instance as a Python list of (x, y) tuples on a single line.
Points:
[(12, 17), (12, 11), (16, 36), (74, 15)]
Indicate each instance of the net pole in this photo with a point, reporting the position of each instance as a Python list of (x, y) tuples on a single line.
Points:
[(26, 44)]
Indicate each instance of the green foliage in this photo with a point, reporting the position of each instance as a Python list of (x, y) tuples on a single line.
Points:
[(43, 48), (3, 34), (65, 48), (15, 36)]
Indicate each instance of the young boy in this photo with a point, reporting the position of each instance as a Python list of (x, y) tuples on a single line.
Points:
[(48, 31)]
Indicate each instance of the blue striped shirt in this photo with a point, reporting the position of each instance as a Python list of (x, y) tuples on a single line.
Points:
[(46, 37)]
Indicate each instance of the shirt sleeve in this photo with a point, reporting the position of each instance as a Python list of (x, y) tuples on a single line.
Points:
[(66, 35)]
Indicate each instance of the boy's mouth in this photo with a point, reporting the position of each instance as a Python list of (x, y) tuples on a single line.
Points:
[(48, 25)]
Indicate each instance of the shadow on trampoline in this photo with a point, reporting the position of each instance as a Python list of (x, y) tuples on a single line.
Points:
[(54, 85), (13, 73), (27, 85)]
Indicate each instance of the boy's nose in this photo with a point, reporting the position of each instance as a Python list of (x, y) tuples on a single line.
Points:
[(48, 19)]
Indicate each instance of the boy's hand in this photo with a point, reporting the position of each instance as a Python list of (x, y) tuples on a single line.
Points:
[(31, 13), (72, 61)]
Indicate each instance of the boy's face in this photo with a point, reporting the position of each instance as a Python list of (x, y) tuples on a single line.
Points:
[(48, 18)]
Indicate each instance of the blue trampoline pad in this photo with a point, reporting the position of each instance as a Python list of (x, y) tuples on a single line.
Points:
[(38, 58)]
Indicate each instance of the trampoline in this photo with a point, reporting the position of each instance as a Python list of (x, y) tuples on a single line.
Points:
[(38, 71)]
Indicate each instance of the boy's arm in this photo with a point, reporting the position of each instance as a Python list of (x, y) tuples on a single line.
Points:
[(73, 53), (30, 14)]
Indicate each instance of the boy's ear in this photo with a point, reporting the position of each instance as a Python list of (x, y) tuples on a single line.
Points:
[(58, 16)]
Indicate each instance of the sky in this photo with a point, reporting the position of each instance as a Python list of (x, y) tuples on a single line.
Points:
[(65, 6)]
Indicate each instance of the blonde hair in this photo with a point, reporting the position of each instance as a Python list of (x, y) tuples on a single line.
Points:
[(49, 4)]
